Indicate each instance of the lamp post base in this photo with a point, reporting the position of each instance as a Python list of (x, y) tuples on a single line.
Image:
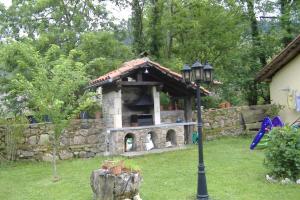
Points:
[(202, 197)]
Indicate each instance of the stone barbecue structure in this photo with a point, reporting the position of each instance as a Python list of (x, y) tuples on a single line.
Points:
[(131, 106), (132, 119)]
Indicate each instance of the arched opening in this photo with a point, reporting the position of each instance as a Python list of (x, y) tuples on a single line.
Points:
[(129, 142), (171, 138), (151, 140)]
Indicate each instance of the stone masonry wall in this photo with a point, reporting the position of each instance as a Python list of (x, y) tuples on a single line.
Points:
[(226, 121), (170, 116), (88, 138), (83, 139), (233, 121), (221, 122)]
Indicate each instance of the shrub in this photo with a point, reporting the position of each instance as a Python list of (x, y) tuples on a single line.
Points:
[(274, 110), (164, 99), (92, 109), (210, 102), (283, 153)]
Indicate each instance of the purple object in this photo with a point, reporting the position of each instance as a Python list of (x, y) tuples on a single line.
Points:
[(277, 122), (266, 125)]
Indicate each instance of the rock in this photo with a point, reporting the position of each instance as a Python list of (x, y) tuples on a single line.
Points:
[(286, 181), (222, 123), (79, 140), (76, 154), (206, 125), (82, 132), (64, 141), (44, 139), (90, 154), (48, 157), (137, 197), (93, 139), (26, 154), (32, 140), (271, 179), (64, 155), (82, 154)]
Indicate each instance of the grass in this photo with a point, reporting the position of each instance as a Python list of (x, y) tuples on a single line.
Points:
[(233, 172)]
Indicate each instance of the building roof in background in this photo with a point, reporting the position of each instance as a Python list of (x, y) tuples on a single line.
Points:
[(132, 65), (277, 63)]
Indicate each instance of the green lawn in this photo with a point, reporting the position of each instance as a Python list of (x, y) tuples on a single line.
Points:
[(233, 173)]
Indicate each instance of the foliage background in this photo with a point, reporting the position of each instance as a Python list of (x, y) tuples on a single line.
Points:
[(237, 37)]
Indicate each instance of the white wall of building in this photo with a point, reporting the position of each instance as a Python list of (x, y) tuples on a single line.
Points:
[(284, 87)]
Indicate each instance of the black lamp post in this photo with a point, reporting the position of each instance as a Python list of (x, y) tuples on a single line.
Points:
[(200, 73)]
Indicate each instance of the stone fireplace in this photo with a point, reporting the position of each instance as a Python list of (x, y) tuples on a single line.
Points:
[(131, 107)]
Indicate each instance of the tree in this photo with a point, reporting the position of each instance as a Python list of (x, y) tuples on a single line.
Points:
[(154, 28), (102, 52), (16, 58), (54, 92), (289, 14), (137, 25), (57, 22)]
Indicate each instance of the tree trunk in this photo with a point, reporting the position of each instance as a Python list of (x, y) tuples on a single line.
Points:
[(54, 150)]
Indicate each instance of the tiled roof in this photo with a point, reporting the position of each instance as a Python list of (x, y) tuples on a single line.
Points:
[(132, 65), (285, 56)]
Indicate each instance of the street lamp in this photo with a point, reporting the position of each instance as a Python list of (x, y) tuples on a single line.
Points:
[(200, 73), (186, 73)]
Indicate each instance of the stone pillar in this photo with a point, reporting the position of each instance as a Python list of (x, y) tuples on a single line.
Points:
[(118, 110), (156, 110), (188, 114), (112, 109)]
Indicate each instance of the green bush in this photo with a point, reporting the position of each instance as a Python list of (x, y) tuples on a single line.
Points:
[(273, 110), (164, 99), (283, 153), (92, 109), (210, 102)]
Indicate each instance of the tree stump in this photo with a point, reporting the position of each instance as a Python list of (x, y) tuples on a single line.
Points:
[(108, 186)]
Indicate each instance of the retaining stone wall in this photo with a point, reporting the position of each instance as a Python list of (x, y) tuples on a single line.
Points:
[(84, 138), (225, 121), (219, 122), (88, 138)]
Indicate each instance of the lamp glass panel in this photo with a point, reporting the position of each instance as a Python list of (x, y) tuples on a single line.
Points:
[(187, 76), (197, 74), (202, 74), (208, 75)]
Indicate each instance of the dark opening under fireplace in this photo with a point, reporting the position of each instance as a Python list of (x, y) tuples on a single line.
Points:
[(142, 119)]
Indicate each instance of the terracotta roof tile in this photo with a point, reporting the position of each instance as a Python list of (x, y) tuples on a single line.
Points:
[(132, 65)]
